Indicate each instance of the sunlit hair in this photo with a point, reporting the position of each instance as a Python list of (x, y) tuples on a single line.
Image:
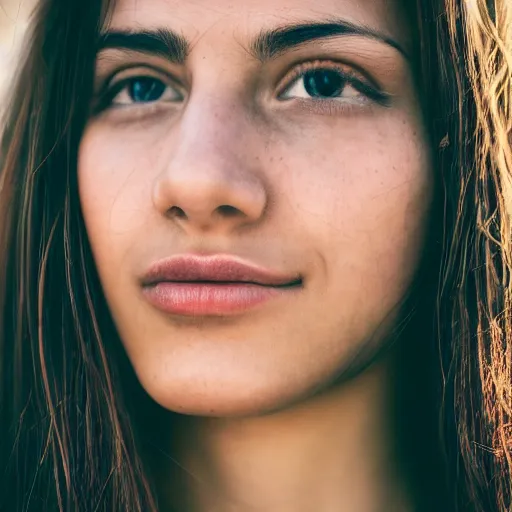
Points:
[(474, 308), (68, 438)]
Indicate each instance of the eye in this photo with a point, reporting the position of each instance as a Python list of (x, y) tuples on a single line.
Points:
[(142, 90), (319, 83), (329, 82)]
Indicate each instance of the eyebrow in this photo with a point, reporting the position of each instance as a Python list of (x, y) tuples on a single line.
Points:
[(269, 44), (161, 42)]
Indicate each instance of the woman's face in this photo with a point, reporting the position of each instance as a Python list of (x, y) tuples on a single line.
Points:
[(286, 134)]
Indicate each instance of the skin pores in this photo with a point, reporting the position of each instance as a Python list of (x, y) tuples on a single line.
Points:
[(336, 189)]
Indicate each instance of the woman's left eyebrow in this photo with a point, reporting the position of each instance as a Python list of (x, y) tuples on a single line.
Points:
[(274, 42), (164, 42)]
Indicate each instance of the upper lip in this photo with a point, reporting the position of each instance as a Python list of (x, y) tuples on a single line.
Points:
[(216, 268)]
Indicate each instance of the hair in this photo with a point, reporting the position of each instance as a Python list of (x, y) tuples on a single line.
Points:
[(68, 441)]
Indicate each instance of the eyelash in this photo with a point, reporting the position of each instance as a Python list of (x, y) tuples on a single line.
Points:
[(104, 99), (350, 78)]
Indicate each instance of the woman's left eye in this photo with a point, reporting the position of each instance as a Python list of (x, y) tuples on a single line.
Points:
[(325, 83), (319, 83)]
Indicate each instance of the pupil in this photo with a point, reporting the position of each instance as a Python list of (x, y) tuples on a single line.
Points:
[(323, 82), (146, 89)]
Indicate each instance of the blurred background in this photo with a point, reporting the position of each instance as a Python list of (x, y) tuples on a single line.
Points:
[(14, 15)]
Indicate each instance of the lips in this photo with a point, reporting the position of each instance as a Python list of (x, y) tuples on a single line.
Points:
[(215, 269), (192, 286)]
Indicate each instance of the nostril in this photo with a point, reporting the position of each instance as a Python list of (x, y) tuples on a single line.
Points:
[(177, 212), (228, 211), (224, 210)]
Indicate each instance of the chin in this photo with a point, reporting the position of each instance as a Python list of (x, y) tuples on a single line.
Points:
[(228, 398)]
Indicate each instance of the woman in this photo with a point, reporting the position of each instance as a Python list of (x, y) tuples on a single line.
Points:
[(256, 256)]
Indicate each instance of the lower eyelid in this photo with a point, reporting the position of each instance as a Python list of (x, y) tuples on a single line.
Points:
[(335, 107)]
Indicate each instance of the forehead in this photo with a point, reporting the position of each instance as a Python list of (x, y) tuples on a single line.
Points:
[(232, 18)]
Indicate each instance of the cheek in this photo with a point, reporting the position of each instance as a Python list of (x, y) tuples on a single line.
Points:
[(110, 181), (363, 200), (115, 184)]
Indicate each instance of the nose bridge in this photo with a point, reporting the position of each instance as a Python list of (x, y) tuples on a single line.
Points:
[(212, 126), (216, 120), (210, 179)]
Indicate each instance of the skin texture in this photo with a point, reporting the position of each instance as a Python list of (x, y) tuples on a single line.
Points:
[(336, 190)]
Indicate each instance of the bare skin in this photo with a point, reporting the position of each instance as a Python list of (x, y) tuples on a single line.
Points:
[(331, 453), (333, 186)]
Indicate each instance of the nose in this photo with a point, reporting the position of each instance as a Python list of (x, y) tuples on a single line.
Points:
[(210, 181)]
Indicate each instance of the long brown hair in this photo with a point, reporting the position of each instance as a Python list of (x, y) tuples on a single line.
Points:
[(67, 439), (467, 77)]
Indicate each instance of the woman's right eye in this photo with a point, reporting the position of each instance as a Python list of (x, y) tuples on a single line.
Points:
[(141, 90)]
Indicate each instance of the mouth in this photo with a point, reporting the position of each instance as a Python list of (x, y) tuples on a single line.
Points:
[(291, 284), (213, 286)]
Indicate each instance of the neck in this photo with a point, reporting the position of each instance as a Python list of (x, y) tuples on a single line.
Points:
[(331, 453)]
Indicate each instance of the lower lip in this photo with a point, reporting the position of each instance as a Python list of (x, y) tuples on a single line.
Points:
[(195, 299)]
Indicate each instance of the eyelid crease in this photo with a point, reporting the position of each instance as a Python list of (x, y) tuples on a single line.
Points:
[(136, 70)]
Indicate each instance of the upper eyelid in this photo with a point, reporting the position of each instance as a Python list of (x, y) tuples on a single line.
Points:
[(111, 79), (126, 80), (298, 69)]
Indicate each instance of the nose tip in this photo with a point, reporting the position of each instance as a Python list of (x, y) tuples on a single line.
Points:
[(210, 201)]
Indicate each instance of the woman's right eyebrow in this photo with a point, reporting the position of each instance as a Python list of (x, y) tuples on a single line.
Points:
[(161, 42), (269, 44)]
